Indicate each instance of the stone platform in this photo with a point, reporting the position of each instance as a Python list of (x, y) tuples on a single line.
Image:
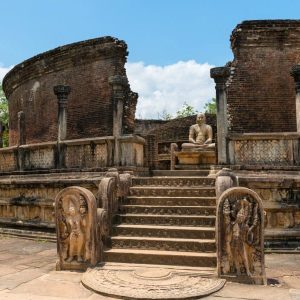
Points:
[(132, 282), (27, 271), (204, 157)]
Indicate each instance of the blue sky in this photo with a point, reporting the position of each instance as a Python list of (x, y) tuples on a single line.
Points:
[(159, 33)]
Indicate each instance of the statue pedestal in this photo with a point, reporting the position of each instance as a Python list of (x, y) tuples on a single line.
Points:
[(205, 157)]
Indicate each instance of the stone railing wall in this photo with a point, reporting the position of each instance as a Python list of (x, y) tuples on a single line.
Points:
[(9, 159), (277, 149), (74, 154)]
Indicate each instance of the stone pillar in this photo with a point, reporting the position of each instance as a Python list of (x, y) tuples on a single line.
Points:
[(1, 134), (220, 75), (295, 72), (62, 92), (118, 84), (21, 128)]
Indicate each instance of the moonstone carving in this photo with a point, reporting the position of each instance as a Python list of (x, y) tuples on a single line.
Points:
[(240, 239)]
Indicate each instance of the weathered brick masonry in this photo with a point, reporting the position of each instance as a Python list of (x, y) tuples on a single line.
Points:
[(261, 92), (86, 67)]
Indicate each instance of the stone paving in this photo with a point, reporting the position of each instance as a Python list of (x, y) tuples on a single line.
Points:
[(27, 271)]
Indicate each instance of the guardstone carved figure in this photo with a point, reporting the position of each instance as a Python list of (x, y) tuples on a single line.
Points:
[(240, 240), (78, 236)]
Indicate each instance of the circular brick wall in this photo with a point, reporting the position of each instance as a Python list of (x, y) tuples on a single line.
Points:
[(85, 67)]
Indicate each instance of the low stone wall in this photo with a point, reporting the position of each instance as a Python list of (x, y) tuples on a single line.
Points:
[(27, 200), (280, 194), (281, 198), (74, 154), (270, 149), (87, 153)]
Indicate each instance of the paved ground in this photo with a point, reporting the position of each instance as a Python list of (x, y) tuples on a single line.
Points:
[(27, 272)]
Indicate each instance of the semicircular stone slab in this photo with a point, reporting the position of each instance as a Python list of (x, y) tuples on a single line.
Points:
[(150, 283)]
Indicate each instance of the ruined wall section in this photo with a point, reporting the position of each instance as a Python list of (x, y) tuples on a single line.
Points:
[(86, 67), (261, 92)]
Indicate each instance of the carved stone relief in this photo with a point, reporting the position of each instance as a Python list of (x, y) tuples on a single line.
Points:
[(240, 238), (107, 196), (76, 227)]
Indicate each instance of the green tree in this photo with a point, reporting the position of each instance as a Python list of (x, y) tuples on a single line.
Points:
[(4, 116), (211, 106), (166, 116), (185, 111)]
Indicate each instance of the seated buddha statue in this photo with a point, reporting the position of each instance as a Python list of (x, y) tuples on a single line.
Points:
[(200, 136)]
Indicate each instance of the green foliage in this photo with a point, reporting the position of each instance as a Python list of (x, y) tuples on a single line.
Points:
[(166, 116), (185, 111), (211, 106), (4, 116)]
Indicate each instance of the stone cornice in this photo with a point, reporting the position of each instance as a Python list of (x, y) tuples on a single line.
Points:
[(220, 76), (60, 58)]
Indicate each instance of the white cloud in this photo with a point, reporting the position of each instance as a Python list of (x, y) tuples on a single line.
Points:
[(3, 71), (167, 88)]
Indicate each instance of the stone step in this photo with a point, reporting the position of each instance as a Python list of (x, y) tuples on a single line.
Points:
[(28, 234), (161, 257), (177, 220), (171, 201), (168, 210), (165, 244), (203, 172), (164, 231), (174, 181), (172, 191)]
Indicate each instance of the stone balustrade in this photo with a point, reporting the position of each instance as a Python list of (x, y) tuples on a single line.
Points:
[(91, 153), (276, 149)]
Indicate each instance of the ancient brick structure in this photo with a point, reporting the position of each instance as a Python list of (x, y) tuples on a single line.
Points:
[(86, 67), (143, 126), (260, 91)]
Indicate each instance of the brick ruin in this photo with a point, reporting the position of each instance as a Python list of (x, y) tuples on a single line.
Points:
[(86, 67), (252, 132), (261, 92)]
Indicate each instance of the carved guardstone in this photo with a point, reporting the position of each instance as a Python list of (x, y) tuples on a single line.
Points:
[(79, 237), (240, 237)]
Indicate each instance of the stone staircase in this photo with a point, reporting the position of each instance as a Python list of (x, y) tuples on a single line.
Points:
[(167, 220)]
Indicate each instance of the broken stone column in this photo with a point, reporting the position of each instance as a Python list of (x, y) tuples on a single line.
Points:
[(220, 75), (240, 236), (173, 149), (118, 84), (62, 92), (21, 128), (295, 72), (21, 140), (79, 238)]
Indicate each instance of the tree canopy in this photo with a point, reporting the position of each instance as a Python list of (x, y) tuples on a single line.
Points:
[(188, 110), (211, 106)]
